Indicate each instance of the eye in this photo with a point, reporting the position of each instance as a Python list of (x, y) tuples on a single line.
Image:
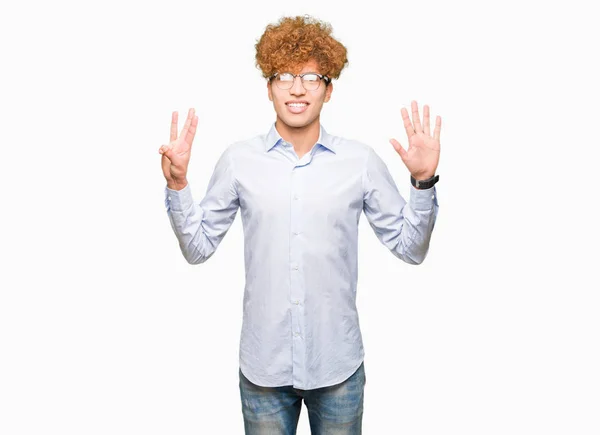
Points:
[(286, 77), (311, 78)]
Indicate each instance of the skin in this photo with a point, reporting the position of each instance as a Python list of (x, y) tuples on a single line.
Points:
[(423, 153), (302, 131), (176, 155)]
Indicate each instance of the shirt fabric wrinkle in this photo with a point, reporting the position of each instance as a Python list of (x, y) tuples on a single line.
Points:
[(300, 220)]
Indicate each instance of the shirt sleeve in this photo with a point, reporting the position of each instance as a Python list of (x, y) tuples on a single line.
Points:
[(403, 227), (200, 227)]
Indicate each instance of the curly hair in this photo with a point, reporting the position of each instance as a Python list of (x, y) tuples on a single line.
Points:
[(293, 41)]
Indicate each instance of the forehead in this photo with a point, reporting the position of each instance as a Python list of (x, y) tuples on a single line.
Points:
[(310, 66)]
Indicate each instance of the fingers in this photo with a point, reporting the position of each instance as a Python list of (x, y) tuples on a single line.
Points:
[(174, 116), (426, 128), (438, 128), (415, 116), (407, 124), (165, 162), (399, 149), (189, 137), (165, 150), (188, 122), (426, 120)]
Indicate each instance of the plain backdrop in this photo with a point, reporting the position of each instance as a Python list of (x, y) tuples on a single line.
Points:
[(105, 328)]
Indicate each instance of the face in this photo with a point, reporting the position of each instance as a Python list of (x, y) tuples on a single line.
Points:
[(299, 116)]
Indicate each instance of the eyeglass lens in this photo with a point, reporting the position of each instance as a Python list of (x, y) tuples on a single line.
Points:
[(309, 81)]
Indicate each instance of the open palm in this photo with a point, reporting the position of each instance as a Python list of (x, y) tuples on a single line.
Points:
[(423, 152)]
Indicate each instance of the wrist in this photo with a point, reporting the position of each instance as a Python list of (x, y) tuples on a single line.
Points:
[(424, 176), (426, 183), (177, 184)]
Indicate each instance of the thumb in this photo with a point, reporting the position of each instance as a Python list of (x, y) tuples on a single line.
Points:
[(399, 149), (166, 152)]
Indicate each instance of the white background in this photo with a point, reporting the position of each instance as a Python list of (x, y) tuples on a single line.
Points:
[(104, 327)]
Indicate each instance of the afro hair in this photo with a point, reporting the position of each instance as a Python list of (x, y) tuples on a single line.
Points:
[(293, 41)]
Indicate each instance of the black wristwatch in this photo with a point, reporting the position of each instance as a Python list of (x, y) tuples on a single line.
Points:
[(424, 184)]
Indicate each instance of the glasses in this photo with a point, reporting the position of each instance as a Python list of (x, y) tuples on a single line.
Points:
[(310, 80)]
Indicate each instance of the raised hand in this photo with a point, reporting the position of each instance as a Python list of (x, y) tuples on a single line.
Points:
[(176, 155), (423, 152)]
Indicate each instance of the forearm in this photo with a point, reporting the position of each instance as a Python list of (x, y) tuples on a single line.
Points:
[(186, 221), (419, 216)]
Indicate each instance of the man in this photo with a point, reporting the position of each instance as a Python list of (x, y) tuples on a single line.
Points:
[(301, 192)]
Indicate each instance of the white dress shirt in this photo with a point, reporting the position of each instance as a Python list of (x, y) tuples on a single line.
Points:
[(300, 219)]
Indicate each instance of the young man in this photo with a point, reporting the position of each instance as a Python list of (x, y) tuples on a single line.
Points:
[(301, 192)]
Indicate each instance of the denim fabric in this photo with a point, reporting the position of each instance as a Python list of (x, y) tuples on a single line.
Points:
[(332, 410)]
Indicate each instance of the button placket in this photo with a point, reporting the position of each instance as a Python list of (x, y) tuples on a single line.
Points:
[(296, 279)]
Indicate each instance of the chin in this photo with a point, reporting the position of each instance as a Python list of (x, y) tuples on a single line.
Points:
[(296, 122)]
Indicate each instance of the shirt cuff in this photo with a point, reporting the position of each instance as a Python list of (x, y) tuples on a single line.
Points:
[(179, 200), (422, 199)]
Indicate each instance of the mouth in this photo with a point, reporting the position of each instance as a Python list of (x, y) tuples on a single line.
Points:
[(297, 106)]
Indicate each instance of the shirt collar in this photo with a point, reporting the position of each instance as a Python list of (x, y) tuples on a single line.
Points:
[(273, 138)]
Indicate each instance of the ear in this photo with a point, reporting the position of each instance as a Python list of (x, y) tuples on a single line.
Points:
[(328, 92), (270, 93)]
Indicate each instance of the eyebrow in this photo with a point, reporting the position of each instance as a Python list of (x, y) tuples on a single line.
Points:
[(307, 72)]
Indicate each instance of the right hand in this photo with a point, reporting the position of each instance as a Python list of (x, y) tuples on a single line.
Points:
[(176, 155)]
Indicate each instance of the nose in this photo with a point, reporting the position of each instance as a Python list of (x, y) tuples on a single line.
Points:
[(297, 88)]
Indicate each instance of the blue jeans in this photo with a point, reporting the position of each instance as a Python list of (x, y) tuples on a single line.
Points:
[(337, 409)]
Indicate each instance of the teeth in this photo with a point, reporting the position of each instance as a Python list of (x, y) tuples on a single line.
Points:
[(297, 104)]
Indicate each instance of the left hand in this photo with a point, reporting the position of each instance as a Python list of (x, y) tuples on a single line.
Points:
[(423, 152)]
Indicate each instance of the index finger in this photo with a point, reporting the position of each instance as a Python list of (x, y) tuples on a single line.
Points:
[(407, 124), (173, 126)]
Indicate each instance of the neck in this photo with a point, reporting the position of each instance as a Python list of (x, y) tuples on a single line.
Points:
[(302, 138)]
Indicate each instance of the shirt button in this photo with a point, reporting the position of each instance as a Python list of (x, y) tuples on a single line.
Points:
[(296, 334), (295, 196), (296, 233), (169, 197), (296, 302), (296, 267)]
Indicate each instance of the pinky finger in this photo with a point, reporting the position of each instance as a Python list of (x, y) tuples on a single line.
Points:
[(438, 128)]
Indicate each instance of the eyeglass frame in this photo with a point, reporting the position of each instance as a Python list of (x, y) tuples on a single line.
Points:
[(321, 77)]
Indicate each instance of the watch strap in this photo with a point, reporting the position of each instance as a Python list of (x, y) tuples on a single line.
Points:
[(424, 184)]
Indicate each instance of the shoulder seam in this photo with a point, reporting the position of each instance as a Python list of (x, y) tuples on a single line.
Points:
[(365, 171), (232, 163)]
